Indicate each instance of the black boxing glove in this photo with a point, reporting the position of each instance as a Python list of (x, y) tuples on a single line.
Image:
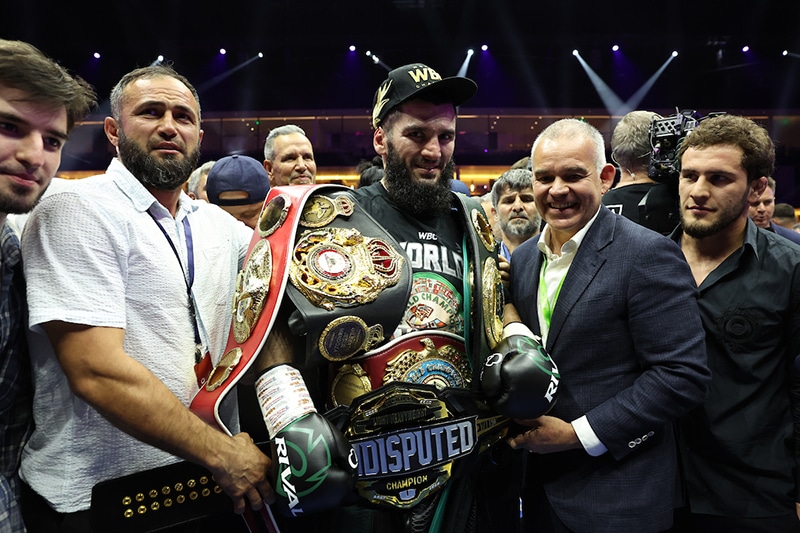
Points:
[(314, 464), (519, 379)]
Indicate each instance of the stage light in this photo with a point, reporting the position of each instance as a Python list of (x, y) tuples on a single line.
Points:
[(615, 48), (462, 71), (575, 53), (485, 47), (97, 55), (352, 48), (260, 54), (745, 48), (375, 59), (674, 53), (223, 51), (785, 53)]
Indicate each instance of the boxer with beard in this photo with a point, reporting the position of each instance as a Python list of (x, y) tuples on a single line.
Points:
[(414, 116), (412, 196)]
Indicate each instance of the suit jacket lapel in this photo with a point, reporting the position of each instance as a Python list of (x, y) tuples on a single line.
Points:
[(584, 268)]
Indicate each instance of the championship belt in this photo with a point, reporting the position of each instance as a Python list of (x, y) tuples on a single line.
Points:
[(152, 500), (407, 411), (350, 280), (410, 439), (483, 283), (260, 287)]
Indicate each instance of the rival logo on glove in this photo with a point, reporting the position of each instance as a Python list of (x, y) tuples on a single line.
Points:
[(520, 380), (296, 482)]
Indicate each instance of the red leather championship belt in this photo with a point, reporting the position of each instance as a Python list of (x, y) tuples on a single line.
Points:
[(163, 497), (259, 289), (335, 256)]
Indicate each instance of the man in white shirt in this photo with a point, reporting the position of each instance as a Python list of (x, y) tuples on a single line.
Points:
[(126, 308)]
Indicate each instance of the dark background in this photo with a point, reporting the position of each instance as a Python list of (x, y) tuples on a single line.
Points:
[(306, 63), (528, 71)]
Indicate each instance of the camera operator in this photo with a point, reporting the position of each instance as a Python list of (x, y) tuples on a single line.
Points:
[(657, 207), (630, 150)]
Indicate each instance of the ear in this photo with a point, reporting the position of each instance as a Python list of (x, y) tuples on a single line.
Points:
[(757, 188), (111, 128), (607, 175), (379, 142)]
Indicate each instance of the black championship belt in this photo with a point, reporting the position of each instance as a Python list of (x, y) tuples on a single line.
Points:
[(408, 412), (350, 279), (164, 497)]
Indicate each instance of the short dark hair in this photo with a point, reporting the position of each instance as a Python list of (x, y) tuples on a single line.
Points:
[(758, 150), (24, 67), (370, 171), (784, 210), (515, 179), (149, 72)]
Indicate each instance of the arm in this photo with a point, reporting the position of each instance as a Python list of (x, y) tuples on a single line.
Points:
[(137, 402), (666, 341)]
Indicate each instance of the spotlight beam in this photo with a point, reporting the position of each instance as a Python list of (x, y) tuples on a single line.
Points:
[(614, 104), (377, 60), (462, 71), (220, 77), (606, 93), (637, 97)]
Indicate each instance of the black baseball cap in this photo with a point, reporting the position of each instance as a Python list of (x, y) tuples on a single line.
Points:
[(418, 81), (237, 173)]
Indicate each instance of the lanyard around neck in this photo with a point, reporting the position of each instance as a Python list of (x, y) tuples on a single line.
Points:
[(187, 229), (547, 304)]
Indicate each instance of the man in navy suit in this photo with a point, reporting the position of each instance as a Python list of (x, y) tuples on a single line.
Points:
[(616, 307), (762, 210)]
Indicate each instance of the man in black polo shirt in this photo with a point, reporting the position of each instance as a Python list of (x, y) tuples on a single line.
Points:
[(738, 447)]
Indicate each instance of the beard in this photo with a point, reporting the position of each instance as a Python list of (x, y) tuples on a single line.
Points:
[(726, 216), (164, 174), (415, 197), (519, 227)]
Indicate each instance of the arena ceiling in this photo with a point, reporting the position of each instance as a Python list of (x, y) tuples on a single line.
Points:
[(307, 63)]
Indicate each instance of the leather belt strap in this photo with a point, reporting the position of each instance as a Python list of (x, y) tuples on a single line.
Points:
[(206, 403)]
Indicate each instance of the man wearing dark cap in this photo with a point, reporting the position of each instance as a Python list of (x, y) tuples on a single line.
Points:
[(393, 307), (414, 116), (238, 184)]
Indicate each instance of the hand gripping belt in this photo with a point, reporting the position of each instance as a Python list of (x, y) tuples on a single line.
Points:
[(181, 492)]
